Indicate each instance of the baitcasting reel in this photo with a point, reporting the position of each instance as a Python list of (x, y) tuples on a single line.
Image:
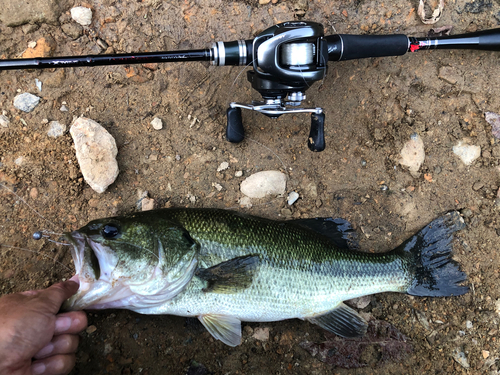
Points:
[(286, 60)]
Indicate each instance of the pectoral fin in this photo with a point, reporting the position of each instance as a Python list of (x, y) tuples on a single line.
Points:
[(231, 276), (224, 328), (342, 321)]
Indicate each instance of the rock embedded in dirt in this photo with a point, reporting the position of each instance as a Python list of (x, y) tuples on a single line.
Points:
[(261, 334), (4, 121), (82, 15), (460, 357), (56, 129), (467, 153), (20, 12), (451, 75), (360, 303), (494, 120), (264, 183), (157, 124), (72, 30), (96, 153), (413, 154), (223, 166), (26, 102), (292, 198)]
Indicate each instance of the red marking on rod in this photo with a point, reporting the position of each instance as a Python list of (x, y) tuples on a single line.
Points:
[(414, 47)]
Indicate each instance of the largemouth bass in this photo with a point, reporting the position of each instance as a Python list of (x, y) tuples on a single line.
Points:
[(225, 267)]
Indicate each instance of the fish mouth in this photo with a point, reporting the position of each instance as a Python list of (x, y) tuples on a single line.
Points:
[(93, 267)]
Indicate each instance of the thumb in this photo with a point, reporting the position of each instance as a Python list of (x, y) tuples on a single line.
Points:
[(56, 294)]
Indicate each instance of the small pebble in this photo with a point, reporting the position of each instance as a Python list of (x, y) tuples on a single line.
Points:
[(477, 186), (56, 129), (467, 153), (157, 123), (468, 324), (238, 174), (486, 354), (4, 121), (91, 329), (261, 334), (26, 102), (147, 204), (467, 212), (459, 356), (223, 166), (82, 15), (63, 108), (217, 186), (292, 198)]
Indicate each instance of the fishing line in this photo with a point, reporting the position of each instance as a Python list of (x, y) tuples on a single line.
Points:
[(246, 137), (26, 203), (36, 252)]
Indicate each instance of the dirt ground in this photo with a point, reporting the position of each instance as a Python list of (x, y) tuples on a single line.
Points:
[(372, 107)]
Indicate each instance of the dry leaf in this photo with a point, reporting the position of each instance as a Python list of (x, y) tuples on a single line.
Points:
[(436, 13), (381, 338)]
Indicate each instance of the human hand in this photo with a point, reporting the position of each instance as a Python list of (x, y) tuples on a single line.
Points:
[(34, 339)]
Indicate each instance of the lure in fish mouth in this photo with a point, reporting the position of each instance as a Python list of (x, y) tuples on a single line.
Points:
[(225, 267)]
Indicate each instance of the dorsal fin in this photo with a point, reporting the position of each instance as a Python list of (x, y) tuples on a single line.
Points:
[(338, 230), (231, 276)]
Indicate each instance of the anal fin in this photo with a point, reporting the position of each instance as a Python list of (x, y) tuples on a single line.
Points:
[(224, 328), (342, 321)]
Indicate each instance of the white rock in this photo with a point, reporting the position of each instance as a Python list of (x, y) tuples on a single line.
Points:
[(19, 160), (4, 121), (238, 174), (292, 197), (468, 153), (96, 153), (360, 302), (459, 356), (223, 166), (26, 102), (264, 183), (246, 202), (82, 15), (261, 334), (157, 124), (63, 108), (217, 186), (56, 129), (413, 154), (147, 204)]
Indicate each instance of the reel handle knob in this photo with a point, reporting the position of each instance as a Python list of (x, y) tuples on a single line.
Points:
[(234, 131), (316, 140)]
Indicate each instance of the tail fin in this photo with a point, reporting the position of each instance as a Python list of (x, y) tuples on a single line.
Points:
[(435, 274)]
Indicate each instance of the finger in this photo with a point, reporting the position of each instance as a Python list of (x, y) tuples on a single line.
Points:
[(70, 322), (58, 293), (62, 344), (60, 364)]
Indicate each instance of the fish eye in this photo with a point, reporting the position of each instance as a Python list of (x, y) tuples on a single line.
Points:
[(110, 231)]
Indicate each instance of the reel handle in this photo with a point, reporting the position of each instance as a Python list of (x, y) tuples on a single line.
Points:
[(316, 140), (234, 131)]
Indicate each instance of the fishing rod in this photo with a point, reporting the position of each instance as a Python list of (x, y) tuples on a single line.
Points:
[(286, 59)]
